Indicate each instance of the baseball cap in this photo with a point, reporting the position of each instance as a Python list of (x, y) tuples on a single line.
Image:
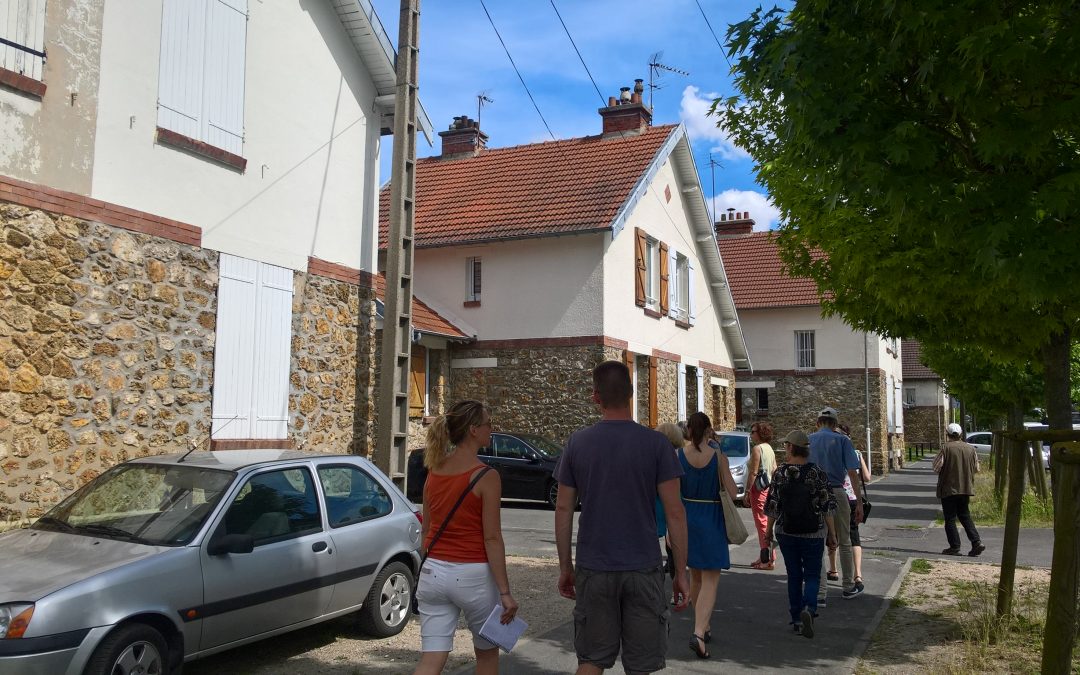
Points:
[(828, 412), (798, 438), (954, 428)]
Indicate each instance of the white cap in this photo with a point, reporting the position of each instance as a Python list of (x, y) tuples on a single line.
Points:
[(954, 428)]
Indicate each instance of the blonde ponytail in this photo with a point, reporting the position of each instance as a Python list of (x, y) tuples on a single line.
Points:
[(438, 442)]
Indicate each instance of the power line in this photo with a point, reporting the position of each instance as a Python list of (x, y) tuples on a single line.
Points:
[(713, 33), (522, 79), (580, 57)]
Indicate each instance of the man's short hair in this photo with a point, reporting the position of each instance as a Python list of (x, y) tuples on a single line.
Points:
[(611, 380)]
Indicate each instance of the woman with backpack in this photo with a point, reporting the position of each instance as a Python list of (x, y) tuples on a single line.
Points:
[(799, 499)]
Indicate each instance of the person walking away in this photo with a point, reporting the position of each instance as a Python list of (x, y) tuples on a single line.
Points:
[(762, 458), (676, 437), (834, 453), (956, 466), (856, 541), (799, 507), (705, 473), (465, 570), (617, 468)]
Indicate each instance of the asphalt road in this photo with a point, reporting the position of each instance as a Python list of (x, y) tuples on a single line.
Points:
[(529, 529)]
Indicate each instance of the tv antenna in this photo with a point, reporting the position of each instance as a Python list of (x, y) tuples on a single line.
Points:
[(656, 72), (712, 172), (481, 99)]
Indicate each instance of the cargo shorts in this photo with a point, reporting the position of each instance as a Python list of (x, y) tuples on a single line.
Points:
[(626, 610)]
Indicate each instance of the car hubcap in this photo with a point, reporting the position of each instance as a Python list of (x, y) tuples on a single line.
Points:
[(140, 658), (394, 599), (553, 493)]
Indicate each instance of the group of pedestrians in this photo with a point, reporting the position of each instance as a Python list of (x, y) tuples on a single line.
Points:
[(633, 485)]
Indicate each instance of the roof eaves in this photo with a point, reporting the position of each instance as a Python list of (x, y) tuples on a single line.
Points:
[(503, 239)]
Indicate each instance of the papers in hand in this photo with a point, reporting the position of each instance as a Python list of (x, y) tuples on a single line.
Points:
[(504, 636)]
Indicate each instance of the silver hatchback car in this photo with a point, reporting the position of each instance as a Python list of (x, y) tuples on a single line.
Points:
[(167, 559)]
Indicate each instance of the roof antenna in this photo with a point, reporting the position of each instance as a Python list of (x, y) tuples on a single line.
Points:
[(195, 444), (655, 68), (481, 99)]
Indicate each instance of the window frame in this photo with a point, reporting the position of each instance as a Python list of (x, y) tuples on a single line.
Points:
[(265, 541), (652, 272), (761, 395), (805, 356), (474, 278), (682, 287), (386, 495), (909, 401)]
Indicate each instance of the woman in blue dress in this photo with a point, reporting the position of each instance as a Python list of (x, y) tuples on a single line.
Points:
[(705, 470)]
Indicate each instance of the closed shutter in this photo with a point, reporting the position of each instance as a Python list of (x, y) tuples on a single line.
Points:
[(652, 392), (665, 284), (22, 22), (226, 41), (180, 70), (691, 306), (681, 392), (417, 381), (252, 350), (640, 267)]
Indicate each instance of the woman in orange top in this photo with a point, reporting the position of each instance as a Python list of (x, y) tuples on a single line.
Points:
[(465, 570)]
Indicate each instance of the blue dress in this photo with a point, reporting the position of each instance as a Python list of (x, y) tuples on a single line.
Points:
[(707, 535)]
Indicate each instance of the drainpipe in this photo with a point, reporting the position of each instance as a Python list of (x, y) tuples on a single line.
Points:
[(866, 380)]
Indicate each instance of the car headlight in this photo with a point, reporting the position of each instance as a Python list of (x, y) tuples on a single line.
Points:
[(738, 470), (14, 620)]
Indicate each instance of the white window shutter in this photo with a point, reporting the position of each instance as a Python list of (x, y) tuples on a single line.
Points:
[(233, 351), (700, 389), (682, 391), (23, 23), (691, 306), (272, 348), (673, 283), (226, 46), (180, 68)]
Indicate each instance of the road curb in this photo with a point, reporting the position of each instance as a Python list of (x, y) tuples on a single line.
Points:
[(872, 626)]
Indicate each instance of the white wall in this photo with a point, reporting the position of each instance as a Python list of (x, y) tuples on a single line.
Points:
[(770, 337), (666, 221), (311, 139), (532, 288), (927, 392)]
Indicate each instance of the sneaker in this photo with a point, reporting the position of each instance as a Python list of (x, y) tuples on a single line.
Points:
[(821, 602), (951, 551), (976, 549), (797, 627), (807, 623), (857, 589)]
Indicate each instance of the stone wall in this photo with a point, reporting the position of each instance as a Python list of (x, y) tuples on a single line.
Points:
[(331, 393), (925, 424), (797, 398), (720, 401), (106, 351), (667, 391)]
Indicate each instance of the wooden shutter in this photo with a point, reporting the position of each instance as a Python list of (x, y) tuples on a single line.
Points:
[(180, 69), (665, 284), (272, 351), (652, 392), (417, 381), (641, 254), (226, 41), (691, 306), (22, 22)]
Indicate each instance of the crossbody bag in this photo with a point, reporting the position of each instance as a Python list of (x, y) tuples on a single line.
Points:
[(442, 528)]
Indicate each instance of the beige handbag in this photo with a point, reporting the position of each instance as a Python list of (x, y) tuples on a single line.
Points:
[(736, 531)]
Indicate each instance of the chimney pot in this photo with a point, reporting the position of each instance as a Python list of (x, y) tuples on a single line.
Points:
[(464, 138), (639, 88), (626, 113), (612, 101), (624, 94)]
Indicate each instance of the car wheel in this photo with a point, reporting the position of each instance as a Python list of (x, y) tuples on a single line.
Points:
[(552, 493), (387, 607), (129, 650)]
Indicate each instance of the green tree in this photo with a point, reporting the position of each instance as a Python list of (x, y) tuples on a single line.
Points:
[(926, 161)]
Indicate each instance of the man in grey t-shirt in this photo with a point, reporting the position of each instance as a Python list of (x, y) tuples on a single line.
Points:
[(617, 468)]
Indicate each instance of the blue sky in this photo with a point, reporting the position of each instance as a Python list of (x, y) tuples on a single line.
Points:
[(460, 57)]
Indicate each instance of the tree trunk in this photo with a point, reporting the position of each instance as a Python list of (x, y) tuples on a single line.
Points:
[(1061, 625), (1017, 455)]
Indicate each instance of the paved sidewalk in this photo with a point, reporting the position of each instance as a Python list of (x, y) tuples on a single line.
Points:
[(750, 631)]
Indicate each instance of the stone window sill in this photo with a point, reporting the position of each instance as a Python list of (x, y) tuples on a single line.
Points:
[(168, 137), (682, 324), (652, 313), (805, 371), (22, 83), (471, 303)]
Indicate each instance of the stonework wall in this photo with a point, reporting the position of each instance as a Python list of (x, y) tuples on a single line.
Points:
[(542, 390), (667, 391), (106, 351), (925, 424), (720, 401), (797, 398), (331, 395)]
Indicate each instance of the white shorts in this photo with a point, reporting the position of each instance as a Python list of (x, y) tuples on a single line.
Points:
[(445, 590)]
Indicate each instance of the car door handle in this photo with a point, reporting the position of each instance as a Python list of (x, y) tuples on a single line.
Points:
[(319, 546)]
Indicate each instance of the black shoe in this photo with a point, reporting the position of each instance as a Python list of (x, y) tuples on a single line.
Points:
[(797, 626), (699, 650), (807, 623), (976, 549), (951, 551), (708, 636), (857, 589)]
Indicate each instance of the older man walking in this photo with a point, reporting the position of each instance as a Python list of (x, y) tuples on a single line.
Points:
[(956, 466)]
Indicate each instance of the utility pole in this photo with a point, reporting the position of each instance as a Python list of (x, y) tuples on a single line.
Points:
[(393, 403)]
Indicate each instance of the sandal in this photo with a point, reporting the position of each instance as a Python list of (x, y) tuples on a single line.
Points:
[(708, 636), (701, 652), (832, 576)]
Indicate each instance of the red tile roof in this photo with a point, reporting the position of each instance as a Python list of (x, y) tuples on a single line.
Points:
[(569, 186), (914, 368), (424, 318), (756, 275)]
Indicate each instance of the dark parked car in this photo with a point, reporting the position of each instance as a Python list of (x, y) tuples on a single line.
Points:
[(525, 463)]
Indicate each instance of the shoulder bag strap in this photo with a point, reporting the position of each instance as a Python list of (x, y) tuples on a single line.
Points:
[(446, 521), (863, 481)]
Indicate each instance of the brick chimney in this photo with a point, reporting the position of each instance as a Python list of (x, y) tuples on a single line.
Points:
[(463, 138), (734, 223), (626, 113)]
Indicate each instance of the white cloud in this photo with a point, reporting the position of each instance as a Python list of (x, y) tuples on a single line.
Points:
[(701, 127), (765, 215)]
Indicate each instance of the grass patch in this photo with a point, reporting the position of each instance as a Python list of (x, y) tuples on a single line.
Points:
[(909, 526), (921, 566), (985, 509)]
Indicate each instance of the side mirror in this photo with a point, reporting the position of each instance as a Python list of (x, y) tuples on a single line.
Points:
[(231, 543)]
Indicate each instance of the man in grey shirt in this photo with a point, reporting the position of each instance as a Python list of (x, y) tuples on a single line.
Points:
[(617, 468)]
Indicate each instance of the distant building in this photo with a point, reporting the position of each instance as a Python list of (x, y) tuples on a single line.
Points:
[(926, 404)]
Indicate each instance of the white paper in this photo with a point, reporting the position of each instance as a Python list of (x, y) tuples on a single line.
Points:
[(505, 636)]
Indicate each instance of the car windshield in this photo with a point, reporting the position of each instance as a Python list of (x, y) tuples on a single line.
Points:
[(155, 504), (735, 446), (546, 446)]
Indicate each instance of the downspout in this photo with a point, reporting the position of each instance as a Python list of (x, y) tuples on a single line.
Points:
[(866, 380)]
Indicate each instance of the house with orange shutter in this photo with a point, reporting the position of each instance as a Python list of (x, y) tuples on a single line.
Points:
[(556, 256), (804, 361)]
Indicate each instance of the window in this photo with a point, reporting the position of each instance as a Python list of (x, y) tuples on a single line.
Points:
[(472, 279), (652, 294), (508, 447), (762, 399), (275, 506), (650, 273), (22, 30), (352, 496), (201, 76), (804, 350), (682, 288), (251, 355), (909, 396)]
